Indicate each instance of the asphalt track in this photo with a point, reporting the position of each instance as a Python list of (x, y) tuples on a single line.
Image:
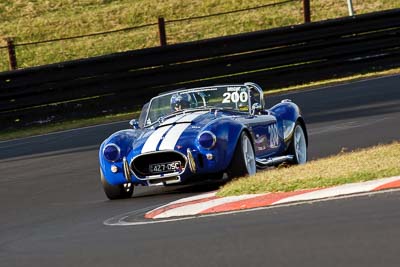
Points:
[(52, 206)]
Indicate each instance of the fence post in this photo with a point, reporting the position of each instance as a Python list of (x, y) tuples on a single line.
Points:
[(306, 11), (350, 7), (161, 31), (11, 53)]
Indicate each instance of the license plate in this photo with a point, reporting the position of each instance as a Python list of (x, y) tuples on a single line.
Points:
[(165, 167)]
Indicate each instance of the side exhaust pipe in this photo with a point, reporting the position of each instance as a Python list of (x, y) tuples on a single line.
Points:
[(265, 163)]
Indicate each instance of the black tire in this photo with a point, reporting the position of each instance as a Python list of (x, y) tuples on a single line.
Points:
[(115, 191), (240, 166), (298, 148)]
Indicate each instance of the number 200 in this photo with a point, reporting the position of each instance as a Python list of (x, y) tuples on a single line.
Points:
[(235, 97)]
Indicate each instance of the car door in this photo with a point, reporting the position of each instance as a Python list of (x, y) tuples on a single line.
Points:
[(265, 134)]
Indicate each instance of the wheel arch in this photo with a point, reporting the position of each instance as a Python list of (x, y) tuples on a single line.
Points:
[(228, 133), (239, 164), (122, 139), (289, 111), (303, 125), (247, 131)]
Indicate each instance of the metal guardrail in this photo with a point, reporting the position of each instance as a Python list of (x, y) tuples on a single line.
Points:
[(272, 58)]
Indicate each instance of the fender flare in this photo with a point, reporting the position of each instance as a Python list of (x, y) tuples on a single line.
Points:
[(287, 111)]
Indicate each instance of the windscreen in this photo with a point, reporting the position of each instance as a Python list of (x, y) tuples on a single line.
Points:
[(226, 97)]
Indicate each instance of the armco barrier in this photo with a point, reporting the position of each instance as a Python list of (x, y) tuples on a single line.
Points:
[(273, 58)]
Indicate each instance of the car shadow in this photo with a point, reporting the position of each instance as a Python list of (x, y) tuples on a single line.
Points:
[(184, 190)]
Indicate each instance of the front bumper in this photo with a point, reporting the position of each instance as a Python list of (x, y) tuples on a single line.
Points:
[(194, 163)]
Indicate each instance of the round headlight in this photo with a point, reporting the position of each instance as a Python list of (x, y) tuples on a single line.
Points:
[(111, 152), (207, 139)]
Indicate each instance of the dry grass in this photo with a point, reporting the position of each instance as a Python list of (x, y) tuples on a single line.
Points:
[(66, 125), (29, 21), (362, 165)]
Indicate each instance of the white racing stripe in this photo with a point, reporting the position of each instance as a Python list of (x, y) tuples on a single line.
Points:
[(173, 120), (175, 133), (153, 140), (191, 117), (172, 137)]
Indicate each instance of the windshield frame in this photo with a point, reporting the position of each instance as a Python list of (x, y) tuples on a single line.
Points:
[(248, 85)]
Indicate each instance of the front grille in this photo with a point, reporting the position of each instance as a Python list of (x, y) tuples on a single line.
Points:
[(141, 164)]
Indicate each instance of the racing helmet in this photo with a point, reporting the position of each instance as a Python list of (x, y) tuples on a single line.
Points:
[(180, 101)]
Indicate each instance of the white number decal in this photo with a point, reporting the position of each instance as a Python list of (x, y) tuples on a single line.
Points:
[(227, 97), (244, 97), (273, 135), (235, 97)]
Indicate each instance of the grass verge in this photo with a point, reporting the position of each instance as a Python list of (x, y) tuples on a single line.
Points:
[(32, 21), (67, 125), (357, 166)]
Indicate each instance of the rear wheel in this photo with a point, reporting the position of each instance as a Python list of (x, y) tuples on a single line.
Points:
[(298, 145), (244, 160), (116, 191)]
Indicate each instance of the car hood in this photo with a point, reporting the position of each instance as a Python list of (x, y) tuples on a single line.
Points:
[(175, 133)]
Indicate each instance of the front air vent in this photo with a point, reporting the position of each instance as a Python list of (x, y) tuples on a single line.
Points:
[(158, 163)]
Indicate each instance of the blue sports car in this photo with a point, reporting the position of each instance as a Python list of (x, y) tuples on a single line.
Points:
[(202, 133)]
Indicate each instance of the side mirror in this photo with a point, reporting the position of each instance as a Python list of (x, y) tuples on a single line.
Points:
[(134, 123), (256, 108)]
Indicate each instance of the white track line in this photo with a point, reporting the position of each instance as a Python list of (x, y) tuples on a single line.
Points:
[(194, 209), (346, 189), (121, 222)]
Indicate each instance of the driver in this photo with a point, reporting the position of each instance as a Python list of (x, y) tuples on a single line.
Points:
[(180, 102)]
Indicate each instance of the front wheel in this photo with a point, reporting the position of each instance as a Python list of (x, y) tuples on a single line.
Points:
[(244, 159), (298, 145), (116, 191)]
